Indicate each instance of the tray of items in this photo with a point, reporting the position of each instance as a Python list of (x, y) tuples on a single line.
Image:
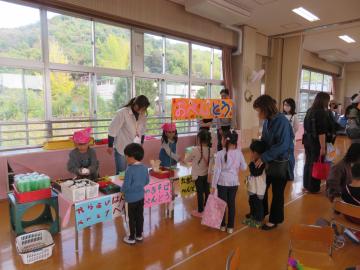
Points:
[(160, 172), (31, 187), (106, 186)]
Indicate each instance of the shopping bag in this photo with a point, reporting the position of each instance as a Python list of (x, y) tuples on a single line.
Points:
[(331, 152), (214, 212), (321, 170)]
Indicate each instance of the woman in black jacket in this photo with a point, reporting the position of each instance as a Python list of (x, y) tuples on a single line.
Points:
[(317, 132)]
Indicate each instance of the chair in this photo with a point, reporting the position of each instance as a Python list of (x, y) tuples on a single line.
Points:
[(311, 233), (233, 260), (348, 210)]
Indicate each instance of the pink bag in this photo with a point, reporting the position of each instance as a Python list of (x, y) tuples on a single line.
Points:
[(321, 170), (214, 212)]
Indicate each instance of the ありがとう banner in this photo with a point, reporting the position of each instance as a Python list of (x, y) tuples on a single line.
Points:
[(188, 108)]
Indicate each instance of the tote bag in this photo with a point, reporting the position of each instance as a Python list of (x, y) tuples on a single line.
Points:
[(214, 212), (321, 170)]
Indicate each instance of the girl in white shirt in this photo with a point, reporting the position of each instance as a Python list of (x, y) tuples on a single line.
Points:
[(128, 126), (228, 163), (200, 156), (289, 109)]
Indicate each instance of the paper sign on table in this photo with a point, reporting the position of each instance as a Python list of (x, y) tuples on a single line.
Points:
[(88, 213), (157, 193), (187, 185), (188, 108), (118, 204)]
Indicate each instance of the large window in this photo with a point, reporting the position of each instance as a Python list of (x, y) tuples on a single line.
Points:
[(311, 83), (69, 39), (60, 72), (19, 31), (112, 46)]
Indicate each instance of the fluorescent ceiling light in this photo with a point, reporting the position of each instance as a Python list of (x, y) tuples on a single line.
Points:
[(347, 39), (305, 14)]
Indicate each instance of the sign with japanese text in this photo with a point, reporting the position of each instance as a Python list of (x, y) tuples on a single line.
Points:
[(157, 193), (118, 204), (88, 213), (187, 185), (189, 108)]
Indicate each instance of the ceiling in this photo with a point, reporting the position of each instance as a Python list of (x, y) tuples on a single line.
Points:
[(275, 17)]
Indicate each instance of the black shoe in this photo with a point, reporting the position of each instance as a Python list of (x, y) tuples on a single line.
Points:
[(268, 228)]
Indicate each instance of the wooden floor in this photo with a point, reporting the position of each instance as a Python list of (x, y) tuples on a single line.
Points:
[(182, 243)]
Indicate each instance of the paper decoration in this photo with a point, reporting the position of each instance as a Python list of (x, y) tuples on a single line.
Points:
[(118, 204), (187, 108), (187, 186), (157, 193), (94, 211)]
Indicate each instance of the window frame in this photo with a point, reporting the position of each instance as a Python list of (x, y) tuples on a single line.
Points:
[(46, 67)]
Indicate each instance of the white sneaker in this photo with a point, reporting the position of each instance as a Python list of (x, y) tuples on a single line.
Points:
[(223, 228), (139, 238), (230, 230), (129, 241)]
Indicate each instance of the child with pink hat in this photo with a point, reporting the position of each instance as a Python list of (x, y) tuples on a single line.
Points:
[(83, 162), (167, 155)]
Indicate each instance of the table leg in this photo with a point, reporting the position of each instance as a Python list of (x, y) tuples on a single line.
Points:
[(76, 240)]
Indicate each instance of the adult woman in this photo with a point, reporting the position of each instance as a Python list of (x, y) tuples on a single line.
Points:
[(289, 107), (317, 127), (340, 173), (278, 135), (128, 125)]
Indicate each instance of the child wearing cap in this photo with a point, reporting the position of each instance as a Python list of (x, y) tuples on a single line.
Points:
[(167, 155), (82, 160)]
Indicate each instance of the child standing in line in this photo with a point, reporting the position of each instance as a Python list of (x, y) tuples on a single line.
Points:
[(167, 155), (83, 162), (228, 163), (136, 178), (200, 157), (256, 186)]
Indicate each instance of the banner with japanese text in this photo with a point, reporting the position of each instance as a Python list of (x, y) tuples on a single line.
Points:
[(194, 108)]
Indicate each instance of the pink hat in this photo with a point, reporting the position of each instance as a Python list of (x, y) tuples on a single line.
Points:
[(82, 136), (169, 127)]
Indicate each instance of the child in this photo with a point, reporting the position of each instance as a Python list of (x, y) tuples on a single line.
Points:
[(82, 160), (289, 107), (136, 178), (351, 193), (256, 185), (228, 162), (167, 155), (200, 158)]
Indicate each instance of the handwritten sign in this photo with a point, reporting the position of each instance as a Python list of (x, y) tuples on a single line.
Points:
[(118, 204), (187, 108), (187, 186), (94, 211), (157, 193)]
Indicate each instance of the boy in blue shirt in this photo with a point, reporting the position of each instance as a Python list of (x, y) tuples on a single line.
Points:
[(136, 178)]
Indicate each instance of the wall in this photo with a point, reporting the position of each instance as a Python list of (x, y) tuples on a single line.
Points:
[(352, 82), (160, 15), (313, 61)]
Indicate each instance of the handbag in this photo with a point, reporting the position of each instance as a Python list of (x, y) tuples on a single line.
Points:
[(320, 170), (214, 212)]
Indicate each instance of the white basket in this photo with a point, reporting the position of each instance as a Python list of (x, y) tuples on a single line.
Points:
[(35, 246), (74, 195), (81, 193)]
